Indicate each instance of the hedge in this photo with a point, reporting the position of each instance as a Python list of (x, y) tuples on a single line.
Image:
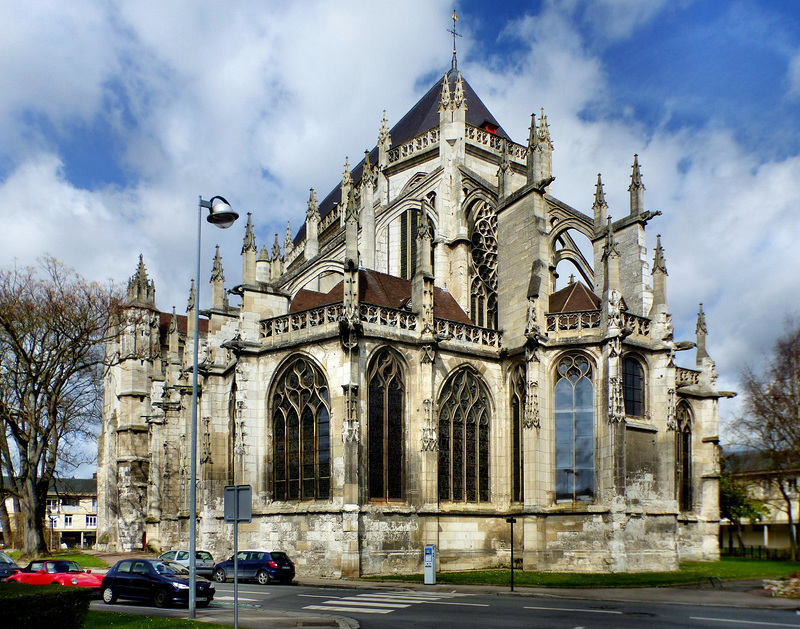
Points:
[(43, 606)]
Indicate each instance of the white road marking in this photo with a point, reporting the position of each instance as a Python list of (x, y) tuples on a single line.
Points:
[(754, 623), (349, 600), (383, 602), (362, 610), (567, 609), (462, 604)]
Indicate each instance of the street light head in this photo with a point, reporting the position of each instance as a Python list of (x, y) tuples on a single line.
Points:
[(220, 213)]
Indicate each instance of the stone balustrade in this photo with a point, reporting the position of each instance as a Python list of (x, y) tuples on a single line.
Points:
[(415, 145), (562, 323), (685, 376)]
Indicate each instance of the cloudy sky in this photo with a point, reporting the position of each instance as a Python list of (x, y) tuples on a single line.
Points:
[(116, 116)]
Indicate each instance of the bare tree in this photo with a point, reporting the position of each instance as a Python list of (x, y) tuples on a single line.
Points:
[(53, 325), (770, 424)]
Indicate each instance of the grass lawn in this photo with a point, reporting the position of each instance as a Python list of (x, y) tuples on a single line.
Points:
[(99, 620), (84, 560), (728, 569)]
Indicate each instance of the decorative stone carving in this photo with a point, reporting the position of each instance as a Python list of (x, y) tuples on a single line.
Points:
[(430, 438), (350, 429), (531, 419), (428, 353), (672, 422)]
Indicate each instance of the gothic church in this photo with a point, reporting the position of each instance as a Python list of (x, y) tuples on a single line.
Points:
[(402, 371)]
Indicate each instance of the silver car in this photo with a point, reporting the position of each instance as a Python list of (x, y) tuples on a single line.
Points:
[(204, 562)]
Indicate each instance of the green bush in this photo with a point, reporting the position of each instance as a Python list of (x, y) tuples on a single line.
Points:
[(43, 606)]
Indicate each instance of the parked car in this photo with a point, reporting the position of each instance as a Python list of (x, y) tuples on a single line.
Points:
[(204, 562), (7, 566), (162, 582), (56, 572), (262, 565)]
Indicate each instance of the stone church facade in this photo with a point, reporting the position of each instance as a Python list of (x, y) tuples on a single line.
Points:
[(403, 371)]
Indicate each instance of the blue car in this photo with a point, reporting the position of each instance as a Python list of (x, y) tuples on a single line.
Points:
[(262, 565), (162, 582)]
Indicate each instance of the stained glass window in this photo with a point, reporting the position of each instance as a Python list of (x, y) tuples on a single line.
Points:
[(633, 387), (574, 421), (385, 440), (483, 288), (517, 417), (464, 439), (300, 415), (683, 456)]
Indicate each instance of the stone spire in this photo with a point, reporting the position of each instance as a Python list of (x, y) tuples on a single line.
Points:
[(636, 188), (445, 102), (701, 331), (249, 251), (141, 290), (347, 186), (540, 152), (600, 207), (174, 337), (216, 270), (218, 296), (351, 233), (276, 269), (312, 226), (459, 100), (367, 218), (422, 282), (190, 316), (384, 144), (659, 280), (288, 243)]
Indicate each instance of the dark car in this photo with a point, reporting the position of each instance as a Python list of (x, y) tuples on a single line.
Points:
[(262, 565), (7, 566), (162, 582)]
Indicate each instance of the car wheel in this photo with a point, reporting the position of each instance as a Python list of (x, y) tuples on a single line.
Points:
[(262, 577), (109, 595), (161, 598), (55, 583), (219, 575)]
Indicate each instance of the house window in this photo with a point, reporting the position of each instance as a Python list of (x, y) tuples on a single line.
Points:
[(91, 521), (67, 520), (483, 287), (633, 387), (301, 431), (464, 440), (574, 421), (517, 417), (683, 456), (385, 418)]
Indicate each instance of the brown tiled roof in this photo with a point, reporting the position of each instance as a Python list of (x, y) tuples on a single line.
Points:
[(381, 289), (573, 298), (166, 317)]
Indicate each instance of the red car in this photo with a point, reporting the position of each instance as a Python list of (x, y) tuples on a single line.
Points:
[(56, 572)]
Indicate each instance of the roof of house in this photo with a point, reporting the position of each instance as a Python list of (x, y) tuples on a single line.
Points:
[(423, 116), (575, 297), (380, 289)]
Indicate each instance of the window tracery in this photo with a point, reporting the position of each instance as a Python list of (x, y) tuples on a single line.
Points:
[(385, 428), (483, 288), (683, 456), (464, 439), (301, 430), (518, 402), (574, 422)]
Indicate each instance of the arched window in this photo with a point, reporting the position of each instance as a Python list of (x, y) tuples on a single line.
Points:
[(633, 387), (683, 456), (464, 440), (300, 416), (409, 228), (517, 418), (483, 287), (385, 445), (574, 419)]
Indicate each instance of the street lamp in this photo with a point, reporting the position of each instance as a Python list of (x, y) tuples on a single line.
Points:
[(221, 215)]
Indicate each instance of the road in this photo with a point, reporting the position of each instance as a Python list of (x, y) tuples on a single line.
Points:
[(382, 608)]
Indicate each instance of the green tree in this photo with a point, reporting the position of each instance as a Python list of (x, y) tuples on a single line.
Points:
[(53, 326), (736, 505)]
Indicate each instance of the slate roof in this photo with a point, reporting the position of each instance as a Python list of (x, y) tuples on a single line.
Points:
[(573, 298), (164, 319), (420, 118), (380, 289)]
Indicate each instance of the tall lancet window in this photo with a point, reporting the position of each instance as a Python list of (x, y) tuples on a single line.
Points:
[(409, 228), (301, 431), (517, 419), (464, 439), (574, 419), (683, 456), (633, 387), (385, 418), (483, 288)]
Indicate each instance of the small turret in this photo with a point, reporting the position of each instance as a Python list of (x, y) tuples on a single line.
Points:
[(249, 251), (384, 144), (218, 301), (445, 101), (288, 243), (599, 207), (276, 267), (701, 331), (351, 233), (347, 186), (312, 226), (263, 265), (636, 188), (659, 280), (141, 290), (367, 220), (540, 153)]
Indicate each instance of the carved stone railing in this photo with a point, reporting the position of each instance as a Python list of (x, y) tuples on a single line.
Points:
[(450, 330), (390, 317), (286, 324), (638, 326), (330, 217), (415, 145), (490, 140), (573, 321), (685, 376)]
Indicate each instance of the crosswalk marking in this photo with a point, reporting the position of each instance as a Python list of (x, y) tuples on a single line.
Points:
[(385, 602)]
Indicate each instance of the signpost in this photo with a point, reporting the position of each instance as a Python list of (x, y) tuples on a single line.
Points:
[(511, 522), (238, 508)]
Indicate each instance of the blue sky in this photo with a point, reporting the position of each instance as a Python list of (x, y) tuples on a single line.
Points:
[(115, 116)]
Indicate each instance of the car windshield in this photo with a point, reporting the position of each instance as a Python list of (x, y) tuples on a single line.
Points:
[(63, 566), (5, 558), (280, 556), (171, 568), (204, 555)]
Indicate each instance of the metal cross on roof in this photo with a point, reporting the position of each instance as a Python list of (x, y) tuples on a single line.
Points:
[(455, 34)]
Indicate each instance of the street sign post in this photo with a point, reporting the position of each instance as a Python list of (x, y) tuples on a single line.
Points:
[(511, 522), (238, 507)]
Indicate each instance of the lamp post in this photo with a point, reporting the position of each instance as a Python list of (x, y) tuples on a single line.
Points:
[(221, 215)]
